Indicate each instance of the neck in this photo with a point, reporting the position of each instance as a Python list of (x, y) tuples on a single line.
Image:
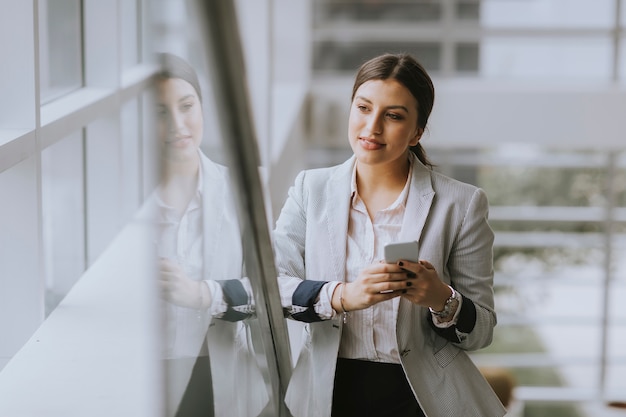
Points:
[(371, 178), (179, 181), (180, 170), (378, 186)]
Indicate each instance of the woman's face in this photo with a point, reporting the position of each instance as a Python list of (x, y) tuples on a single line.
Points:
[(180, 120), (383, 122)]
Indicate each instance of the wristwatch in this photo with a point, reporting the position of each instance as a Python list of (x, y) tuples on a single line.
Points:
[(449, 308)]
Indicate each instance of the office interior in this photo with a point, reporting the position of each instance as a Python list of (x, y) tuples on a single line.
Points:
[(530, 104)]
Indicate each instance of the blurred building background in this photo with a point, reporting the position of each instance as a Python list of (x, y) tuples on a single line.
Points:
[(530, 105)]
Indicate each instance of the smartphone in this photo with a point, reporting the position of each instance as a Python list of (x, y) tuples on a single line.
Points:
[(401, 250)]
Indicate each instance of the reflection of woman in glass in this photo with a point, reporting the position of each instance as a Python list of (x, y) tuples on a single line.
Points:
[(400, 348), (200, 260)]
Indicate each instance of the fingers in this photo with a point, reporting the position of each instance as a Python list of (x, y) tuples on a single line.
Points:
[(168, 265), (389, 271), (426, 264)]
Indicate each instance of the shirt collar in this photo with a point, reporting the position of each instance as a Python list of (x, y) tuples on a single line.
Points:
[(403, 195)]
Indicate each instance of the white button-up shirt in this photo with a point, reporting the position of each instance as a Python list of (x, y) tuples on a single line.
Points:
[(368, 334)]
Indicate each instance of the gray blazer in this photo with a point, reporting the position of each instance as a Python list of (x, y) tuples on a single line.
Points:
[(449, 220)]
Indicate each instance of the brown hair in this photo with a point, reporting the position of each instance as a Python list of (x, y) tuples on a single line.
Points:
[(172, 66), (408, 72)]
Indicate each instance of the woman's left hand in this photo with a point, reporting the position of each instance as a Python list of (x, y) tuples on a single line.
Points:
[(426, 288)]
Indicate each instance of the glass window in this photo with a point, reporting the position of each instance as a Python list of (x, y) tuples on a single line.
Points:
[(547, 210), (131, 26), (62, 189), (532, 57), (468, 10), (131, 158), (359, 10), (20, 284), (330, 56), (467, 57), (550, 14), (60, 47)]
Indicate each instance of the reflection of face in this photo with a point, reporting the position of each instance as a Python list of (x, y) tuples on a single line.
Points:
[(180, 121), (383, 122)]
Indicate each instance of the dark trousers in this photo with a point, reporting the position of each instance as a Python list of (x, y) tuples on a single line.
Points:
[(198, 398), (375, 389)]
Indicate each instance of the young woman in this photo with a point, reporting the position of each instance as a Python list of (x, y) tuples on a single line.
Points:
[(387, 339), (210, 368)]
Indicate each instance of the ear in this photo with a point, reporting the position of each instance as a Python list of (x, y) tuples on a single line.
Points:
[(417, 137)]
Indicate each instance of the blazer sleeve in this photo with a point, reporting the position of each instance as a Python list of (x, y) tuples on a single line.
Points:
[(297, 295), (470, 266)]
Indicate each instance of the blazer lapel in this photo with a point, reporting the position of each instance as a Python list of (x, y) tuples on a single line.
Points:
[(337, 214), (418, 203)]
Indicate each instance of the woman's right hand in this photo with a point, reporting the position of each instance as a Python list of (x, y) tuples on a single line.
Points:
[(377, 282), (177, 288)]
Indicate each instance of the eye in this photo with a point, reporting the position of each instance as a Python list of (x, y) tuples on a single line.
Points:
[(361, 107), (186, 106), (395, 116)]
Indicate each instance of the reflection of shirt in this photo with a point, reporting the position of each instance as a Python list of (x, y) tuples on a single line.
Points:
[(180, 240)]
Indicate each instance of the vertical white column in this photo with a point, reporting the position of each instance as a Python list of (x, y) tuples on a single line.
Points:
[(21, 278)]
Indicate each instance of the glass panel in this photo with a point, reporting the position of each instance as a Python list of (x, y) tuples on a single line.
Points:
[(468, 10), (130, 31), (201, 265), (131, 160), (329, 56), (62, 189), (467, 57), (546, 58), (550, 14), (21, 287), (213, 354), (360, 10), (60, 47)]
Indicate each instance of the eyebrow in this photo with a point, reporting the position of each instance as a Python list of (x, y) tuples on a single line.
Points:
[(388, 107), (186, 97), (179, 100)]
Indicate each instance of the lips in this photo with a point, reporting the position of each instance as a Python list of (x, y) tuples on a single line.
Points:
[(179, 142), (370, 144)]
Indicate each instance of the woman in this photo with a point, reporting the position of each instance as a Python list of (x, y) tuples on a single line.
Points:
[(200, 262), (387, 339)]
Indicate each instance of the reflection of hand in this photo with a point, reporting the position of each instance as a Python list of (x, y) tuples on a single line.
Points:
[(177, 288)]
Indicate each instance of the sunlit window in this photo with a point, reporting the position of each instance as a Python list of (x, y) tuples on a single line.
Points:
[(60, 47)]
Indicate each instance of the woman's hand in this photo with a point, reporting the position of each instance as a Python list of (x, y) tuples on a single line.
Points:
[(426, 288), (177, 288), (377, 282)]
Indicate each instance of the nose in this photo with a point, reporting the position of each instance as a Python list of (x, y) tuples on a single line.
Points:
[(374, 123), (174, 122)]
